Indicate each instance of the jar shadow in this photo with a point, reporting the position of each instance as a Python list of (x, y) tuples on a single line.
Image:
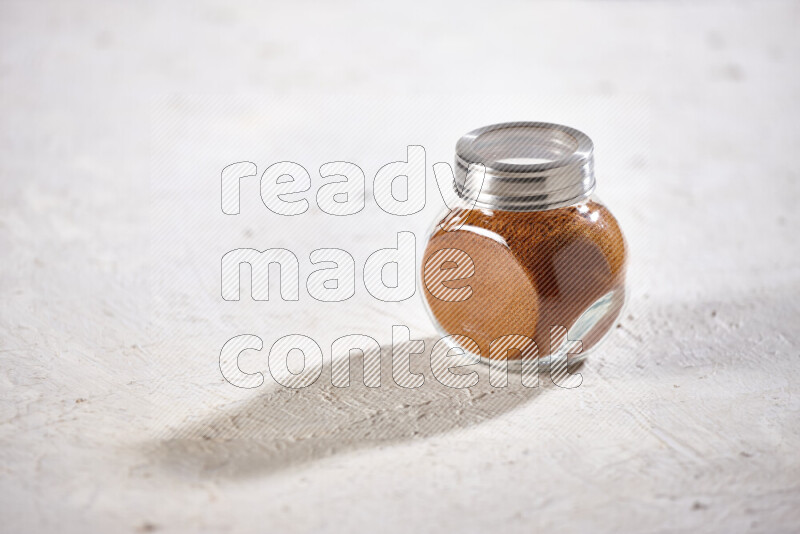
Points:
[(281, 428)]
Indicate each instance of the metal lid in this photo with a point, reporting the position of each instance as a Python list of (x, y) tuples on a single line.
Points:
[(530, 166)]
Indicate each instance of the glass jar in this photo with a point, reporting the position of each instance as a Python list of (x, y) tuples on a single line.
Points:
[(529, 262)]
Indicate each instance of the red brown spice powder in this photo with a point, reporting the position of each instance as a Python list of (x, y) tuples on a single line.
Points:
[(534, 270)]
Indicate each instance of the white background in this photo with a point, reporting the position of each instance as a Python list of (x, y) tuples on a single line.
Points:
[(116, 121)]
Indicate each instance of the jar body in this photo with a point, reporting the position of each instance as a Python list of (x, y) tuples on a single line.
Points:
[(490, 277)]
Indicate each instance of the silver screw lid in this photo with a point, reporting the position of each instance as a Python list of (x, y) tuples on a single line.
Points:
[(529, 166)]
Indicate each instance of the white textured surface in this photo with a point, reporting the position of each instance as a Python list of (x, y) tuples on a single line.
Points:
[(113, 415)]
